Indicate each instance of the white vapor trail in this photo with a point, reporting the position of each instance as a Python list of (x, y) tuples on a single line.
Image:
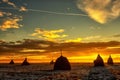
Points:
[(49, 12)]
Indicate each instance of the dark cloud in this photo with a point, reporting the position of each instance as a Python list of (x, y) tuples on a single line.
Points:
[(113, 51), (40, 47), (2, 42), (26, 44), (117, 35)]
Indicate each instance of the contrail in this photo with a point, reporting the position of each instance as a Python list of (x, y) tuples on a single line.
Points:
[(49, 12)]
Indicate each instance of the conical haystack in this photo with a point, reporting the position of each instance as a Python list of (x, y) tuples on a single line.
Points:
[(25, 62), (99, 61), (52, 62), (110, 61), (62, 63), (11, 62)]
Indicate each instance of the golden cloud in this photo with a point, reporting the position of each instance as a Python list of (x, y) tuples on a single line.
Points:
[(1, 14), (100, 10), (22, 8), (91, 38), (10, 20), (32, 50), (10, 23), (50, 35), (74, 40)]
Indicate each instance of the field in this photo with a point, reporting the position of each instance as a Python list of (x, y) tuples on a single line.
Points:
[(45, 72)]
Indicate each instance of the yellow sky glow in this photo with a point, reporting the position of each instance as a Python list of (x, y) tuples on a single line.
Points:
[(78, 59)]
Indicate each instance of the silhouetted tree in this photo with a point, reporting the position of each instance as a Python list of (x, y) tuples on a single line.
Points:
[(110, 61), (99, 61)]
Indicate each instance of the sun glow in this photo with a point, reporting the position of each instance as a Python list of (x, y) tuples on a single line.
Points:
[(88, 58)]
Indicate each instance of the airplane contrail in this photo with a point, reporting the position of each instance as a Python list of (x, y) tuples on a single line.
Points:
[(49, 12)]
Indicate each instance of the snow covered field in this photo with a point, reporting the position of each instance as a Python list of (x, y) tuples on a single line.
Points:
[(45, 72)]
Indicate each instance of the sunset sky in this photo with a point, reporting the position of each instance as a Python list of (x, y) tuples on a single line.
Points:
[(39, 29)]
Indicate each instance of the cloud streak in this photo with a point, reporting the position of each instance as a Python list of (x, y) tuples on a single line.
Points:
[(101, 11)]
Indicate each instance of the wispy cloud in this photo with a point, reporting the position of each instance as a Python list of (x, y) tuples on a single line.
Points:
[(101, 11), (117, 35), (74, 40), (23, 8), (92, 37), (9, 3), (2, 14), (94, 28), (32, 50), (10, 19), (10, 23), (50, 35)]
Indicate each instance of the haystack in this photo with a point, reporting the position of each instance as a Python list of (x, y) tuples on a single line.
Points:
[(110, 61), (99, 61), (11, 62), (25, 62), (62, 63)]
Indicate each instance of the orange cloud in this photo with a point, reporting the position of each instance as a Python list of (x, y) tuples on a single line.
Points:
[(10, 23)]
